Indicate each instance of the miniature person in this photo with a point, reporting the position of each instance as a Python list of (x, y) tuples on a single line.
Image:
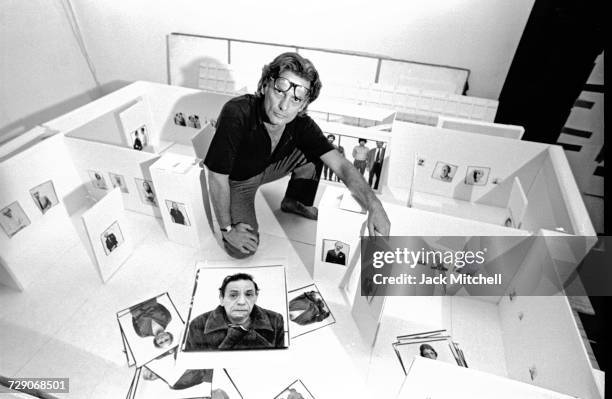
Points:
[(99, 181), (335, 255), (137, 142), (179, 119), (43, 202), (176, 214), (12, 223), (263, 137), (360, 155), (237, 323), (428, 351), (150, 319), (111, 241), (148, 192), (375, 160)]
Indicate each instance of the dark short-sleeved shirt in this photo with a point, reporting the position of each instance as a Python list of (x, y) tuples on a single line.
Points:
[(241, 145)]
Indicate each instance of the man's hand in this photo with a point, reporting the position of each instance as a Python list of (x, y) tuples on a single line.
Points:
[(378, 222), (242, 237)]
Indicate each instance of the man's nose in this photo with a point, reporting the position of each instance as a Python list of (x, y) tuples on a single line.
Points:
[(284, 102), (241, 299)]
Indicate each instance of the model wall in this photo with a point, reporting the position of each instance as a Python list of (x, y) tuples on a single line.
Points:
[(556, 351), (51, 233)]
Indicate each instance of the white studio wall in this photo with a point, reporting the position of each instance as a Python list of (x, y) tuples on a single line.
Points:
[(110, 243), (45, 224)]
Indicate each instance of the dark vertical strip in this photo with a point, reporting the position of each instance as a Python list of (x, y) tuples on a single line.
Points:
[(378, 70), (229, 51)]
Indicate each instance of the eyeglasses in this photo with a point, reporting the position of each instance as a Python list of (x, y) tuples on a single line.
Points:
[(283, 85)]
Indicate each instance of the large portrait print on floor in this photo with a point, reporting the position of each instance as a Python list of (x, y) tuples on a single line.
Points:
[(238, 309)]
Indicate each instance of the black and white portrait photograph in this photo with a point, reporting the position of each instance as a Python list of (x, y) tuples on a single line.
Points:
[(297, 390), (477, 175), (44, 196), (98, 180), (146, 191), (327, 173), (112, 238), (151, 328), (118, 181), (13, 219), (140, 138), (194, 121), (238, 309), (444, 171), (178, 213), (308, 310), (335, 251), (439, 349), (179, 119)]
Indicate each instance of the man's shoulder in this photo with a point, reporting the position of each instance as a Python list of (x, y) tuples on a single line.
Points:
[(243, 104)]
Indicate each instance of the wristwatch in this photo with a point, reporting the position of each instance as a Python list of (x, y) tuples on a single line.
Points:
[(227, 228)]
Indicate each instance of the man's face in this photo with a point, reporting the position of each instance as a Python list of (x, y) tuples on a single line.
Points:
[(429, 354), (362, 143), (8, 213), (281, 108), (338, 247), (330, 139), (239, 299), (163, 339), (445, 170)]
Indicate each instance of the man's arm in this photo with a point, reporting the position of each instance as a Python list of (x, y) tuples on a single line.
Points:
[(240, 236), (377, 217)]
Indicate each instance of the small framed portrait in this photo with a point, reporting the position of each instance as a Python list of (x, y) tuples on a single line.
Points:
[(146, 191), (179, 119), (13, 219), (140, 138), (150, 329), (297, 390), (118, 181), (335, 251), (444, 171), (178, 213), (112, 238), (420, 161), (194, 121), (477, 175), (44, 196), (97, 180), (238, 308), (308, 311), (440, 348)]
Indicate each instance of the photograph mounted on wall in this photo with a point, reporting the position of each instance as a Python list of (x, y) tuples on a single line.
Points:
[(97, 180), (146, 191), (112, 238), (13, 219), (444, 171), (44, 196), (178, 213)]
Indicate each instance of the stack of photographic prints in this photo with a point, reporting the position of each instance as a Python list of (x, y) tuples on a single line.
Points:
[(252, 299), (435, 345), (308, 311), (297, 390), (150, 332)]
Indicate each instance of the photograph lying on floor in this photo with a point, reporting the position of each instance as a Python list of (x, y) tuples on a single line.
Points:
[(444, 171), (477, 175), (308, 311), (162, 378), (297, 390), (238, 309), (147, 193), (438, 347), (368, 157), (112, 238), (118, 181), (44, 196), (178, 213), (13, 219), (140, 138), (335, 251), (97, 180), (150, 329)]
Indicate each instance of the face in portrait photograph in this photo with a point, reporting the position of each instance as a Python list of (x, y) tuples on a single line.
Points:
[(13, 219), (477, 175), (118, 181), (444, 171), (97, 180), (297, 390), (147, 192), (238, 309), (335, 251), (194, 121), (179, 119), (44, 196), (112, 238), (151, 328), (434, 349), (308, 311), (140, 138), (178, 213)]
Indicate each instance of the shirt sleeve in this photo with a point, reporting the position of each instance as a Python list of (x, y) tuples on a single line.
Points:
[(312, 142), (226, 141)]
